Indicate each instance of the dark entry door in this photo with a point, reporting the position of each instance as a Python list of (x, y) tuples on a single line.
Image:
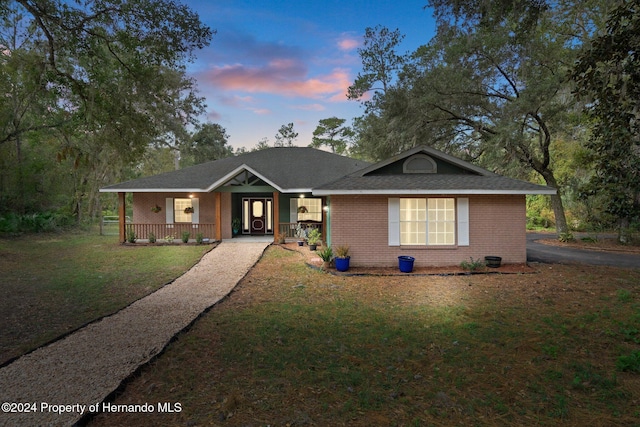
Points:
[(257, 216)]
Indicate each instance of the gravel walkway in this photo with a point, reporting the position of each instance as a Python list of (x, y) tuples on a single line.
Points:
[(56, 384)]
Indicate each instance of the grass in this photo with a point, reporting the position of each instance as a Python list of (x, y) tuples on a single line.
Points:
[(294, 346), (54, 283)]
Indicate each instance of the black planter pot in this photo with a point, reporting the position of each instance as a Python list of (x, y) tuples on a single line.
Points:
[(312, 247), (300, 242), (493, 261)]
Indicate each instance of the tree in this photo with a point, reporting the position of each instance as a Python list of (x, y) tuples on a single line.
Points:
[(490, 86), (285, 136), (607, 75), (208, 143), (380, 63), (90, 50), (332, 133), (96, 84), (263, 144)]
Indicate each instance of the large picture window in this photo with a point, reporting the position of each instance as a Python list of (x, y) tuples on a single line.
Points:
[(427, 221)]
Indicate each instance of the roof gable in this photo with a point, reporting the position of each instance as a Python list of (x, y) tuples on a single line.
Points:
[(435, 172), (444, 164)]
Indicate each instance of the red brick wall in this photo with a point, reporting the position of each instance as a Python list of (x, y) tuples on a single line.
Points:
[(143, 202), (497, 226)]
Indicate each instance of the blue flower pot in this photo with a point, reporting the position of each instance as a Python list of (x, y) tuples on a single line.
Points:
[(405, 263), (342, 264)]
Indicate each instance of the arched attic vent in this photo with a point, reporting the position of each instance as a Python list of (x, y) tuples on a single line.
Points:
[(419, 163)]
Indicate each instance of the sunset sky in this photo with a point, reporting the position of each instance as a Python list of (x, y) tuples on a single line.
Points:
[(277, 62)]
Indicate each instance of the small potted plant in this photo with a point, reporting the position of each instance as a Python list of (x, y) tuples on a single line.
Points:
[(313, 239), (156, 209), (342, 258), (301, 234), (326, 255), (235, 226), (188, 210)]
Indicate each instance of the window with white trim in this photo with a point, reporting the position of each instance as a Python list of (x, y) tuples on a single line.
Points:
[(179, 208), (308, 209), (427, 221)]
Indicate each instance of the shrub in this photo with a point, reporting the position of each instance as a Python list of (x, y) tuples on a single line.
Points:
[(314, 237), (34, 222), (131, 235), (199, 238), (185, 236), (566, 237), (326, 254), (472, 265), (152, 237)]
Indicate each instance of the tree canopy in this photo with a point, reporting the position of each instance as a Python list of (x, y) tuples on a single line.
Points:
[(491, 86), (607, 76), (334, 134), (92, 85)]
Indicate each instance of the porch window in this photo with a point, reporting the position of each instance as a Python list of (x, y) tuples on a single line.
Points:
[(427, 221), (307, 209), (179, 208)]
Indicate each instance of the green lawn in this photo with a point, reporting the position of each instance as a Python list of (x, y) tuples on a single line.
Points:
[(294, 346), (54, 283)]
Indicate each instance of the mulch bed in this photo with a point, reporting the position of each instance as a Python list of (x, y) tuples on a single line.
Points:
[(314, 261)]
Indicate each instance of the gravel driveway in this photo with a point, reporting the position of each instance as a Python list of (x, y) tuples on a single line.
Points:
[(57, 384)]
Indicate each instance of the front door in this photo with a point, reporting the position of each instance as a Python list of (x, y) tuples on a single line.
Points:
[(257, 215)]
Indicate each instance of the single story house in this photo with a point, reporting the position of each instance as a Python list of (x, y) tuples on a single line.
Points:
[(423, 203)]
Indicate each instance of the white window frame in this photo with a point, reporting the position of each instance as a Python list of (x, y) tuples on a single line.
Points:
[(172, 210), (459, 225)]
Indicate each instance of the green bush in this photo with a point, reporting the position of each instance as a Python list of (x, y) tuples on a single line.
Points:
[(131, 235), (472, 265), (199, 238), (152, 237), (629, 363), (34, 222), (566, 237), (185, 236)]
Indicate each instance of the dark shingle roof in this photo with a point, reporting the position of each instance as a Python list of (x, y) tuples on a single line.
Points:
[(430, 184), (476, 181), (286, 168)]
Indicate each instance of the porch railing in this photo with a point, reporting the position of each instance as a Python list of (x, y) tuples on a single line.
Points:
[(163, 230), (288, 229)]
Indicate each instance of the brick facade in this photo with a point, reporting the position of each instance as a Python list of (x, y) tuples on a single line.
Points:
[(497, 226), (143, 202)]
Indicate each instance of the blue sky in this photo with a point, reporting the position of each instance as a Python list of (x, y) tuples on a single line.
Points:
[(277, 62)]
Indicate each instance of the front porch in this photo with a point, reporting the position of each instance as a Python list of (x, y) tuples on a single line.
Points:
[(258, 214)]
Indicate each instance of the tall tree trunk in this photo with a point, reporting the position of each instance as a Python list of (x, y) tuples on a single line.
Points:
[(556, 201)]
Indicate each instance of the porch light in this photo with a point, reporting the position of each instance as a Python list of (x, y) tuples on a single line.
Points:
[(191, 195), (301, 196)]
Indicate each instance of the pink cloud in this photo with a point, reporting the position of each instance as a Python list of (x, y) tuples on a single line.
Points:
[(213, 116), (284, 77), (310, 107), (260, 111), (348, 44)]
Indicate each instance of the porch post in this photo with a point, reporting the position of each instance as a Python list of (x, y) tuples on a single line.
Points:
[(276, 216), (323, 203), (218, 201), (122, 218)]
